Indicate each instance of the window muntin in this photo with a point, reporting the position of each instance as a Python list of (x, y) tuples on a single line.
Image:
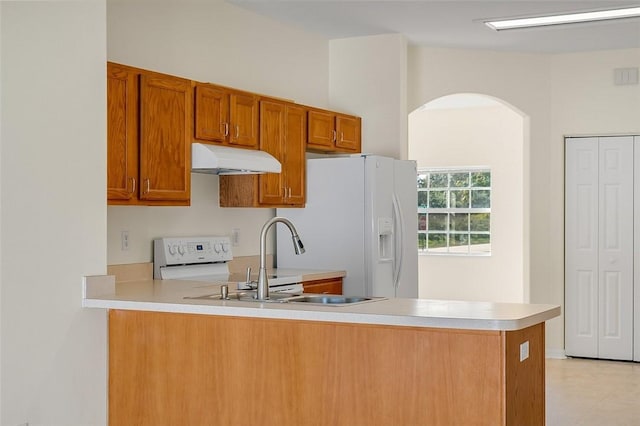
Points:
[(454, 211)]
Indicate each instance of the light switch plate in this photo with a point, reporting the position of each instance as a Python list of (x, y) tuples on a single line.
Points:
[(524, 351)]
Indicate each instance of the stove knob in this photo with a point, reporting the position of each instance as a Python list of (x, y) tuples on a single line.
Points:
[(181, 250), (217, 247), (172, 250), (225, 247)]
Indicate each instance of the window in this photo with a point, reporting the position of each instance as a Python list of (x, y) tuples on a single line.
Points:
[(454, 211)]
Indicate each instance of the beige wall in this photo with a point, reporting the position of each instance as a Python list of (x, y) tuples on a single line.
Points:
[(220, 43), (53, 214), (523, 81), (490, 136), (584, 100), (560, 95), (52, 164), (368, 77)]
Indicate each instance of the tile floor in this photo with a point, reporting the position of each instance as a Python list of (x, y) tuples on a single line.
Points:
[(583, 392)]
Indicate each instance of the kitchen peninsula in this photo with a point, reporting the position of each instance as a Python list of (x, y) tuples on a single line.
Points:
[(394, 361)]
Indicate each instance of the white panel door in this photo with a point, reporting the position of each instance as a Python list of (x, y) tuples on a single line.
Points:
[(615, 257), (636, 237), (581, 247)]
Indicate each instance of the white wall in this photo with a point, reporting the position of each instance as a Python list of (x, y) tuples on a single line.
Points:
[(368, 77), (584, 101), (53, 216), (523, 81), (489, 136), (219, 43), (566, 94)]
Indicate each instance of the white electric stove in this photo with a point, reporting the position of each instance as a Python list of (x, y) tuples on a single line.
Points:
[(206, 259)]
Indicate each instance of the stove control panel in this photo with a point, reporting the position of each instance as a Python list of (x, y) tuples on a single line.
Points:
[(191, 250)]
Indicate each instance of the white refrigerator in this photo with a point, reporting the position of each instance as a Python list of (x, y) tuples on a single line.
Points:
[(361, 217)]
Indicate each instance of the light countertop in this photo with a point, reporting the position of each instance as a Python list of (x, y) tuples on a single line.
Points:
[(168, 296)]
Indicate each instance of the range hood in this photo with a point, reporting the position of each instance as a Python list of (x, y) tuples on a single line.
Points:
[(223, 160)]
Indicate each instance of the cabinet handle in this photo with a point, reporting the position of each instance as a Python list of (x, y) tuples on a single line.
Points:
[(148, 184), (289, 192), (335, 136), (341, 136), (237, 131), (226, 129), (133, 185)]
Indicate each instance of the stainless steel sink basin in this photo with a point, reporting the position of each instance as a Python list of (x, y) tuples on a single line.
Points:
[(329, 299), (246, 296)]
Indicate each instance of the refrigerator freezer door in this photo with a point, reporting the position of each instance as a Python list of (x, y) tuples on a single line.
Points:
[(331, 225)]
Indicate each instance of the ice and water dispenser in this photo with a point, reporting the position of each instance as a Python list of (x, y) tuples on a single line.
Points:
[(385, 239)]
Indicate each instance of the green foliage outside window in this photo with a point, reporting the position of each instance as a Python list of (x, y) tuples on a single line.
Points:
[(454, 211)]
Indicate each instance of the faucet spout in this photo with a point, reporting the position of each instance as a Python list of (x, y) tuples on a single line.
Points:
[(263, 282)]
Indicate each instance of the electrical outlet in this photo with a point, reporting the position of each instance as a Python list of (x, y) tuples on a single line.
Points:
[(235, 237), (124, 240), (524, 351)]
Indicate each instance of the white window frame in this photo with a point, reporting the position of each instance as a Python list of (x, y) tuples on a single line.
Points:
[(449, 249)]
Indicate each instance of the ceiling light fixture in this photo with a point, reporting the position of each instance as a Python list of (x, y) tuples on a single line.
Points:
[(567, 18)]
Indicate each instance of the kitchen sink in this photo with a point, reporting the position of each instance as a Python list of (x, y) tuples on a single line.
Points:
[(309, 299), (246, 296), (329, 299)]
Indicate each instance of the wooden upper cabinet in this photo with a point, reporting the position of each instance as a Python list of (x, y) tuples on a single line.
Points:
[(294, 163), (333, 132), (149, 132), (272, 186), (226, 116), (283, 132), (348, 132), (122, 133), (244, 120), (322, 131), (165, 137), (212, 113)]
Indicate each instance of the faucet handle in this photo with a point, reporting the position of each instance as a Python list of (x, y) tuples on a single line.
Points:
[(248, 275)]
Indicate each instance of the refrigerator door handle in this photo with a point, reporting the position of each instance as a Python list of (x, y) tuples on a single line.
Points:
[(399, 243)]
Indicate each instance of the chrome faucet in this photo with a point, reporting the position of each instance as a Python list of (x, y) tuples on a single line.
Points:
[(298, 247)]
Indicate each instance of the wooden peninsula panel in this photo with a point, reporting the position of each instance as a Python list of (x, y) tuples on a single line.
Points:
[(168, 369)]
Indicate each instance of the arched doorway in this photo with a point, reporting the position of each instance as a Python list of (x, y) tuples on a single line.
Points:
[(475, 132)]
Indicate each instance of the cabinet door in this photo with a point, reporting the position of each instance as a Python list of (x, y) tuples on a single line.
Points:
[(165, 137), (122, 133), (272, 120), (211, 113), (294, 160), (321, 130), (328, 286), (348, 133), (615, 262), (244, 120)]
